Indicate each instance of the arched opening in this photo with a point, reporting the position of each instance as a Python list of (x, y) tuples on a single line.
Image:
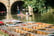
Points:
[(2, 9), (15, 5)]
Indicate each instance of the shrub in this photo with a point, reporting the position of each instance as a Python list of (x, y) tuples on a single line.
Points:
[(48, 17)]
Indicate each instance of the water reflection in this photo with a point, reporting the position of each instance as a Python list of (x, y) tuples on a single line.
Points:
[(19, 17), (24, 18), (2, 17), (27, 18), (35, 18)]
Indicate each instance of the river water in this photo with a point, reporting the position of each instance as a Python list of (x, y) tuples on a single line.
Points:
[(23, 18), (33, 18)]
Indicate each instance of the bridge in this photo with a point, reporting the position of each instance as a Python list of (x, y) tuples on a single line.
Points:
[(10, 6)]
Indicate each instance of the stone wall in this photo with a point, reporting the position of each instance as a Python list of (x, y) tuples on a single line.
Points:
[(5, 2), (8, 4)]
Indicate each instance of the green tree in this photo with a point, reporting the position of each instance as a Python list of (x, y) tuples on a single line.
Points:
[(40, 4)]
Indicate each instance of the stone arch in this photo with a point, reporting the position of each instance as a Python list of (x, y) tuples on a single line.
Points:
[(3, 9), (14, 6)]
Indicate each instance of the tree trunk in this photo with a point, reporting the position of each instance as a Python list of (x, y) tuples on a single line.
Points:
[(30, 10)]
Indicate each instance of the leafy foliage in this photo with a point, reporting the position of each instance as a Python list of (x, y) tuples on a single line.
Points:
[(48, 17), (40, 4)]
